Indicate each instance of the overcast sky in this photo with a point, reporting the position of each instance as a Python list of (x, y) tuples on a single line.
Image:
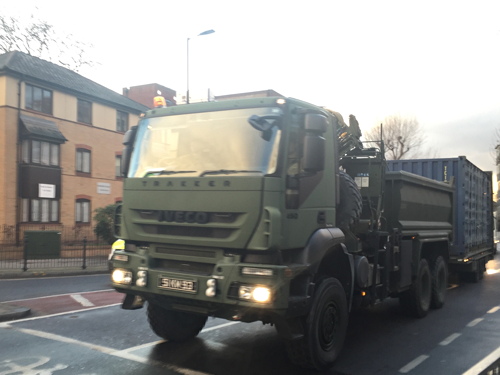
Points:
[(436, 60)]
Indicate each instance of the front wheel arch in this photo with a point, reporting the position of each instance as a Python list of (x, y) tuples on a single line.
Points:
[(327, 256), (338, 263)]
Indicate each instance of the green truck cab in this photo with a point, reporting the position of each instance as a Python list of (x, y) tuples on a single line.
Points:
[(271, 209)]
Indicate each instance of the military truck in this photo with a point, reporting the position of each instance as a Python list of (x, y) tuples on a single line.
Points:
[(273, 210)]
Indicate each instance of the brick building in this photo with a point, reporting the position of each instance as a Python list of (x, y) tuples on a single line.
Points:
[(60, 143), (144, 94), (252, 94)]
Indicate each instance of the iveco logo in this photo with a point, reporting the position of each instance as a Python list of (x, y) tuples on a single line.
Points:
[(184, 217)]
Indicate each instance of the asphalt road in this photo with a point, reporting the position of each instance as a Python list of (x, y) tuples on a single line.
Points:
[(16, 289), (78, 327)]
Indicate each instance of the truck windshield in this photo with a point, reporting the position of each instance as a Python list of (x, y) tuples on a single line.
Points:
[(207, 143)]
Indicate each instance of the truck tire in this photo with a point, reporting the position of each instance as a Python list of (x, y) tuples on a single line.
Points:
[(439, 273), (474, 276), (174, 326), (417, 300), (351, 203), (324, 328)]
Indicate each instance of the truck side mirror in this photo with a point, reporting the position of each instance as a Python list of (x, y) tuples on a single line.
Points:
[(315, 123), (314, 153), (128, 142), (314, 144)]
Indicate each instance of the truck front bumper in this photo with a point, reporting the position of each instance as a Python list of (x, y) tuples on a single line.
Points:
[(233, 290)]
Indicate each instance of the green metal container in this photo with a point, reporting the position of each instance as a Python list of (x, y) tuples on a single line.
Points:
[(42, 244)]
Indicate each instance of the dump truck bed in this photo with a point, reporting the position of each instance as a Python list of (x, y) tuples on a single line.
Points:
[(414, 204), (472, 203)]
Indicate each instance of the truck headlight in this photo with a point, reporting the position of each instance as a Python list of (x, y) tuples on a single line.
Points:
[(255, 293), (121, 276)]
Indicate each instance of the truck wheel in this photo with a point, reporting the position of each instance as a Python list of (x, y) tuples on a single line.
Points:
[(351, 202), (324, 328), (172, 325), (439, 273), (417, 300), (474, 276)]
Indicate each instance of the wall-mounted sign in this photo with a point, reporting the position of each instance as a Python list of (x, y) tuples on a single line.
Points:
[(103, 188), (46, 191)]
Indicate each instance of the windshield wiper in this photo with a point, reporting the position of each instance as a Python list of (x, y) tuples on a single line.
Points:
[(227, 171), (160, 172)]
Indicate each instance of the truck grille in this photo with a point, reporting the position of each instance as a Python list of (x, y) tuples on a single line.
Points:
[(217, 225), (187, 252), (185, 231), (178, 266)]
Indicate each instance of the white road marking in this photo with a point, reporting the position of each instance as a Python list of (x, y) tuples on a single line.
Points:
[(57, 295), (138, 347), (143, 346), (484, 363), (27, 366), (493, 310), (475, 322), (106, 350), (7, 324), (449, 339), (219, 326), (410, 366), (82, 300)]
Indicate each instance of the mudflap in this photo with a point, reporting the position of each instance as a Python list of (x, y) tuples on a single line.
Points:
[(132, 302)]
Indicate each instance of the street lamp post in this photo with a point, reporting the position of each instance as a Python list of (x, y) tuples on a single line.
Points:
[(206, 32)]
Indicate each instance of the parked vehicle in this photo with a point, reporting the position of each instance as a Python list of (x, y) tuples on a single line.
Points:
[(272, 210)]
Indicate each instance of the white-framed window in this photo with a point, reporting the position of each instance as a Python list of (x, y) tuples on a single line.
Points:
[(118, 166), (121, 121), (83, 160), (82, 211), (38, 99), (39, 210), (40, 152), (84, 111)]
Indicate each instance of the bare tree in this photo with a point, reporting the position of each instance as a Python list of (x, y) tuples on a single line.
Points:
[(495, 147), (402, 136), (38, 38)]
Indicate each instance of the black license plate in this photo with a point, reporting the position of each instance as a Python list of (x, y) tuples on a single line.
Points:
[(177, 284)]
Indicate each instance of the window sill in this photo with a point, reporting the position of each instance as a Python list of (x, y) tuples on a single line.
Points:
[(83, 174)]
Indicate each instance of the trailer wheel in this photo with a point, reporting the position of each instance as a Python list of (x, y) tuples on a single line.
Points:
[(172, 325), (439, 273), (474, 276), (417, 300), (324, 328), (351, 202)]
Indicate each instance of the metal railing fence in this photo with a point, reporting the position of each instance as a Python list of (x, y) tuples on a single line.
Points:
[(29, 246)]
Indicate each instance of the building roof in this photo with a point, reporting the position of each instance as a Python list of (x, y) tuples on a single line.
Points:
[(251, 94), (42, 128), (35, 70)]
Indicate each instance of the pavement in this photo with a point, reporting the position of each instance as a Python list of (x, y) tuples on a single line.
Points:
[(11, 312)]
